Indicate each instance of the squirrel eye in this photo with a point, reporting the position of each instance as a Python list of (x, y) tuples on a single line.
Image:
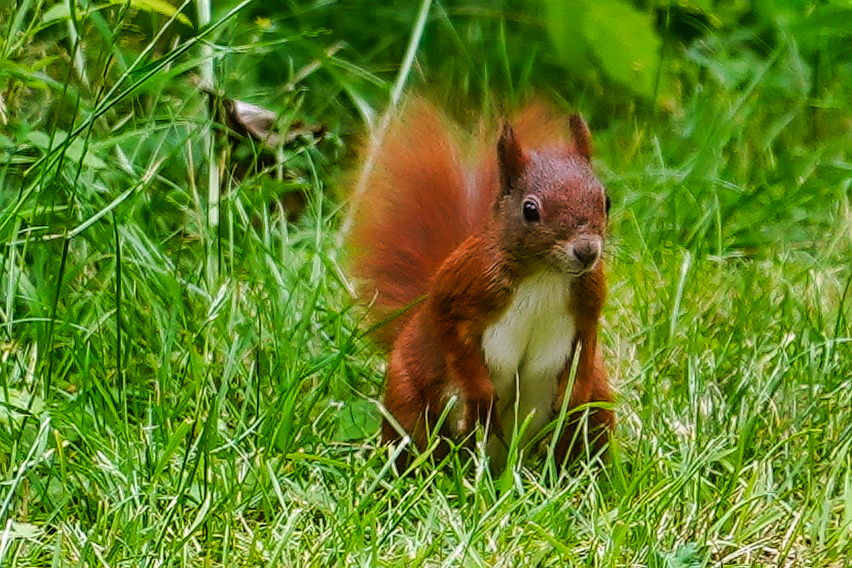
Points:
[(531, 212)]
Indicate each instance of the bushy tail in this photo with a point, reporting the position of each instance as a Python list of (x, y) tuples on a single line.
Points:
[(421, 201)]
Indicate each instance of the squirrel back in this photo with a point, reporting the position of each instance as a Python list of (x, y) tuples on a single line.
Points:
[(425, 195)]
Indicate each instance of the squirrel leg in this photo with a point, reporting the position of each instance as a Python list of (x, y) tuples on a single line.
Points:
[(470, 374), (405, 402)]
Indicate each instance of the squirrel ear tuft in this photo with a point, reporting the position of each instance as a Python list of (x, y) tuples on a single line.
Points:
[(510, 156), (582, 137)]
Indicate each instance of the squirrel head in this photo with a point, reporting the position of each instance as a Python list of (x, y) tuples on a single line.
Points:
[(551, 209)]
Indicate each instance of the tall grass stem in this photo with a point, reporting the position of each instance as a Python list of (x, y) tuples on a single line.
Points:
[(379, 133)]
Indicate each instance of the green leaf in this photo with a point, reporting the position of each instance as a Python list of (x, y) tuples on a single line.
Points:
[(61, 11), (609, 33), (158, 7), (826, 27), (357, 420), (54, 13), (686, 556), (623, 39), (565, 22)]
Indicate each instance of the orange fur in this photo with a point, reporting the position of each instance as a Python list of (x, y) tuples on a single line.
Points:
[(452, 227)]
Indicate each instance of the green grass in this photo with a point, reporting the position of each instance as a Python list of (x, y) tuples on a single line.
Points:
[(179, 393)]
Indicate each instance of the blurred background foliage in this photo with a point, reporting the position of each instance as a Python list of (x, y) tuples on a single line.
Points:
[(345, 55), (701, 69)]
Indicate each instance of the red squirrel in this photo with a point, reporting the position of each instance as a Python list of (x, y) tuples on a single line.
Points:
[(504, 246)]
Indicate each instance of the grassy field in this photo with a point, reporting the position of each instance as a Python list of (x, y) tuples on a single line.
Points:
[(184, 378)]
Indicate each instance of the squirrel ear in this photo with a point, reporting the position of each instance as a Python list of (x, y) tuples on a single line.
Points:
[(510, 156), (582, 137)]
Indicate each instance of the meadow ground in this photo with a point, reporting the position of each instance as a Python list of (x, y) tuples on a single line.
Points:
[(184, 388)]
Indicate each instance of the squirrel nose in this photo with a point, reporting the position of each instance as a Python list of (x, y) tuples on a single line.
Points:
[(587, 249)]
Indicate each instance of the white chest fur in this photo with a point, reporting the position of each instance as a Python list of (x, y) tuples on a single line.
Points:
[(526, 349)]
